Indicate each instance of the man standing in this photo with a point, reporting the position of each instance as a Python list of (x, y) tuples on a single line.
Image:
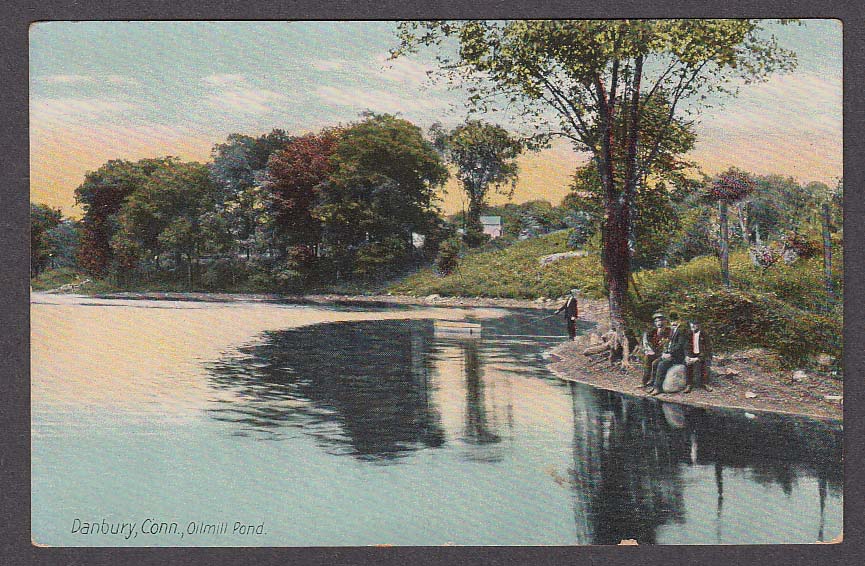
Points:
[(654, 342), (698, 359), (571, 311), (674, 353)]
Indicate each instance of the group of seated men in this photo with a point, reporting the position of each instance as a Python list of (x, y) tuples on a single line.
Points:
[(666, 345)]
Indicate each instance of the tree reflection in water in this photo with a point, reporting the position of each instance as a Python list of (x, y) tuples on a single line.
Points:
[(359, 387), (630, 454), (366, 389), (478, 431)]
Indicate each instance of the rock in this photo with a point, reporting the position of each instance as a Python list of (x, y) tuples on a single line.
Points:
[(674, 381), (825, 360), (750, 416), (833, 397), (540, 300), (552, 258), (750, 394), (433, 297), (799, 376), (674, 414)]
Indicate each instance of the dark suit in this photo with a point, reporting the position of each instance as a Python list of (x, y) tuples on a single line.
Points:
[(570, 309), (698, 372), (676, 347), (656, 339)]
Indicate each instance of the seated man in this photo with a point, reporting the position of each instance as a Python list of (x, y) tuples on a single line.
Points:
[(698, 359), (674, 353), (653, 345)]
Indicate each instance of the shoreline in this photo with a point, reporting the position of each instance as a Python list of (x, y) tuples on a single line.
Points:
[(322, 298), (680, 399), (733, 374)]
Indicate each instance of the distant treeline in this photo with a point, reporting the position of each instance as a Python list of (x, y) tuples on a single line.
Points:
[(358, 203)]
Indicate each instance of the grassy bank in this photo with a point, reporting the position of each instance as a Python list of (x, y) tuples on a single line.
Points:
[(513, 272), (783, 308)]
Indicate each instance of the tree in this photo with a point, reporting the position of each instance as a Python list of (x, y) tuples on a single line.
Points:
[(238, 170), (485, 158), (43, 219), (63, 241), (101, 196), (825, 198), (732, 185), (382, 187), (162, 217), (577, 78), (293, 176)]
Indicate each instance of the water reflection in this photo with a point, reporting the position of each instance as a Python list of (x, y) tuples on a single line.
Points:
[(360, 388), (631, 454), (639, 469)]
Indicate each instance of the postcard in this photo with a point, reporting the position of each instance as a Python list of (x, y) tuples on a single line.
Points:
[(441, 282)]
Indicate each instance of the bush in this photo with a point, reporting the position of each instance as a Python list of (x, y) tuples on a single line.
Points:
[(776, 308), (222, 274), (740, 319), (448, 256)]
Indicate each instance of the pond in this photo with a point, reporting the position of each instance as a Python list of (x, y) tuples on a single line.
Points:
[(363, 429)]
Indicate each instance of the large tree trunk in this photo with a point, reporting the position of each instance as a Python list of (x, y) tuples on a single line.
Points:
[(617, 264), (724, 251)]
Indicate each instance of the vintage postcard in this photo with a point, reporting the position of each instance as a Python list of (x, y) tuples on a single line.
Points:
[(468, 282)]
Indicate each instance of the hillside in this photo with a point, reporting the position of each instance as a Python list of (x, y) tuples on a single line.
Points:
[(783, 308)]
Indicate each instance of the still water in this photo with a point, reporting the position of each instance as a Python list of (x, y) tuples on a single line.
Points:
[(368, 427)]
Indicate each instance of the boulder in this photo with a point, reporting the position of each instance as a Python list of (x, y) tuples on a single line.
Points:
[(674, 381), (674, 414), (800, 376)]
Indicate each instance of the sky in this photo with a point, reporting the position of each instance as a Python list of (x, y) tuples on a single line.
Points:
[(130, 90)]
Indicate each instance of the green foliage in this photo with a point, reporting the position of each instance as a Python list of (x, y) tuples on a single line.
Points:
[(102, 196), (448, 256), (778, 308), (382, 189), (513, 272), (611, 87), (54, 278), (484, 155), (43, 219)]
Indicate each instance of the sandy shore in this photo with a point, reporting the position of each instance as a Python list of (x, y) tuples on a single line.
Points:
[(742, 380)]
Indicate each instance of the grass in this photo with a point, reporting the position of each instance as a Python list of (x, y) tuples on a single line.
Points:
[(782, 308), (512, 272)]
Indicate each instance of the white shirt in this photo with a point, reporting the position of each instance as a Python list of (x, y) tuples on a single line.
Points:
[(697, 342)]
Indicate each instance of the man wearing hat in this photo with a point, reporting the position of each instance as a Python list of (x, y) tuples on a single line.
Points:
[(654, 341), (571, 311), (698, 358), (674, 353)]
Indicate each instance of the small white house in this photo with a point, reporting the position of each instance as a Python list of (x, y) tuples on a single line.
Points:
[(492, 225)]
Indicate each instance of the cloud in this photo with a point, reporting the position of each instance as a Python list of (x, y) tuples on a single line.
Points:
[(791, 124), (234, 94), (225, 80), (121, 80), (245, 100), (403, 70), (376, 99), (328, 64), (65, 79), (75, 109)]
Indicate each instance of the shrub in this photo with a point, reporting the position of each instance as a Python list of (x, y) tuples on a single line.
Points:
[(803, 246), (448, 256)]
